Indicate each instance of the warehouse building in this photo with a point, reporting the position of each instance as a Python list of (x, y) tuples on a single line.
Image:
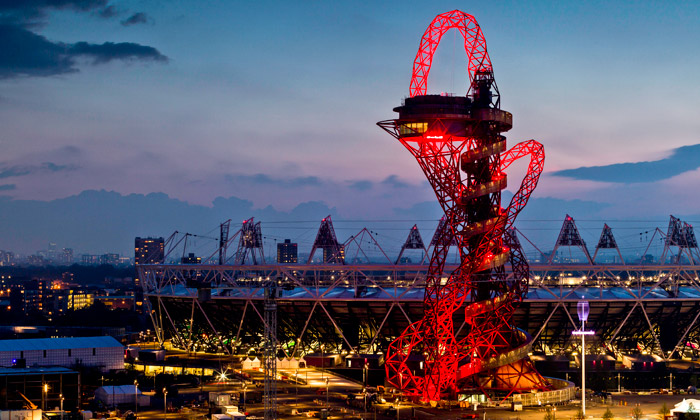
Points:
[(104, 353)]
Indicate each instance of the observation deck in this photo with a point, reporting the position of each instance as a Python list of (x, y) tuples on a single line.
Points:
[(457, 116)]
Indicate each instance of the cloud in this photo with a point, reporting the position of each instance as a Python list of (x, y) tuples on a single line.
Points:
[(25, 53), (33, 12), (394, 182), (14, 171), (52, 167), (264, 179), (361, 185), (136, 19), (7, 187), (107, 12), (23, 170), (78, 221), (108, 51), (682, 159)]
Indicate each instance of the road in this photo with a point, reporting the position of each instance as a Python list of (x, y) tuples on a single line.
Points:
[(313, 397)]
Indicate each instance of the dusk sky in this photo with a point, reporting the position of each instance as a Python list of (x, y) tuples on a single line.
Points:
[(276, 103)]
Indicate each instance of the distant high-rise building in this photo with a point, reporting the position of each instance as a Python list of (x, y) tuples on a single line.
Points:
[(35, 293), (287, 252), (90, 259), (148, 251), (36, 260), (7, 258), (191, 259), (112, 259), (67, 256), (52, 253), (330, 257)]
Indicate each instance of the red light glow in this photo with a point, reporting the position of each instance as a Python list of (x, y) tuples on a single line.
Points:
[(474, 44), (456, 357)]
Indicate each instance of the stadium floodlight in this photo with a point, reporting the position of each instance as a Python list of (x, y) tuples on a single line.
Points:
[(583, 310)]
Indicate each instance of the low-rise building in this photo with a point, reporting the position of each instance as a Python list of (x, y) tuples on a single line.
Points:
[(39, 388), (105, 352)]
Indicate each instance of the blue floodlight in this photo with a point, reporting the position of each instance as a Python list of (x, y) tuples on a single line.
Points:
[(583, 310)]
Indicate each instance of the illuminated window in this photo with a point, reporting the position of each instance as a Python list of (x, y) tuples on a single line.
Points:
[(413, 128)]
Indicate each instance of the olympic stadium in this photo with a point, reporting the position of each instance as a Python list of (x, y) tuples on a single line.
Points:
[(360, 307)]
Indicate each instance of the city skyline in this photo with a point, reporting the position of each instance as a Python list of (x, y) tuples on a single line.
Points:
[(272, 108)]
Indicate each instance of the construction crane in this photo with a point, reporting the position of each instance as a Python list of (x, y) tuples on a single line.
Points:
[(270, 351), (223, 240), (29, 405)]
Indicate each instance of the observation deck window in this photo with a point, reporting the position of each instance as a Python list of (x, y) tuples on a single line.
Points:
[(413, 128)]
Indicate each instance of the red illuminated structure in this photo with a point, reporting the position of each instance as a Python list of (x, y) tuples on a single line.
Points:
[(465, 339)]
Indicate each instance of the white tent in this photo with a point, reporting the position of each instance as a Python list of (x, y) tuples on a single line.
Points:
[(246, 364), (685, 406), (283, 363), (121, 394), (249, 364)]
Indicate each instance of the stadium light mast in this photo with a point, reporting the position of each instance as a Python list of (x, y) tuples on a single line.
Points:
[(583, 309)]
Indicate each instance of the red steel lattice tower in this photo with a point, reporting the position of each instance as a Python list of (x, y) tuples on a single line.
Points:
[(465, 338)]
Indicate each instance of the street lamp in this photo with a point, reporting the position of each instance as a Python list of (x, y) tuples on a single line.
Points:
[(323, 361), (60, 396), (245, 386), (223, 377), (136, 395), (583, 309), (45, 396), (327, 406), (670, 382), (364, 393), (165, 403), (296, 387), (398, 408)]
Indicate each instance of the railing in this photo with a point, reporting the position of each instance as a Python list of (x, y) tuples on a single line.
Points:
[(564, 391)]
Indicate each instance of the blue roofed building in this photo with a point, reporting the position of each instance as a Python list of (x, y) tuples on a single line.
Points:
[(103, 352)]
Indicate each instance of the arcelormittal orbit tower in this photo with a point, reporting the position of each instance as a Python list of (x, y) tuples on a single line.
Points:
[(465, 339)]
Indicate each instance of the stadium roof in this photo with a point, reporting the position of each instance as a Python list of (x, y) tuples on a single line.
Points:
[(58, 343), (534, 293)]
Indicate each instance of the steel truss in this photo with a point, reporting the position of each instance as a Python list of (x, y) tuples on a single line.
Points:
[(458, 145), (363, 307)]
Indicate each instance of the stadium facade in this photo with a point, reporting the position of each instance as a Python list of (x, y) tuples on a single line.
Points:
[(640, 308)]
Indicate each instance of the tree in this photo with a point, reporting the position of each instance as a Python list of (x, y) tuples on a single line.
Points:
[(608, 415), (637, 413), (664, 411)]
